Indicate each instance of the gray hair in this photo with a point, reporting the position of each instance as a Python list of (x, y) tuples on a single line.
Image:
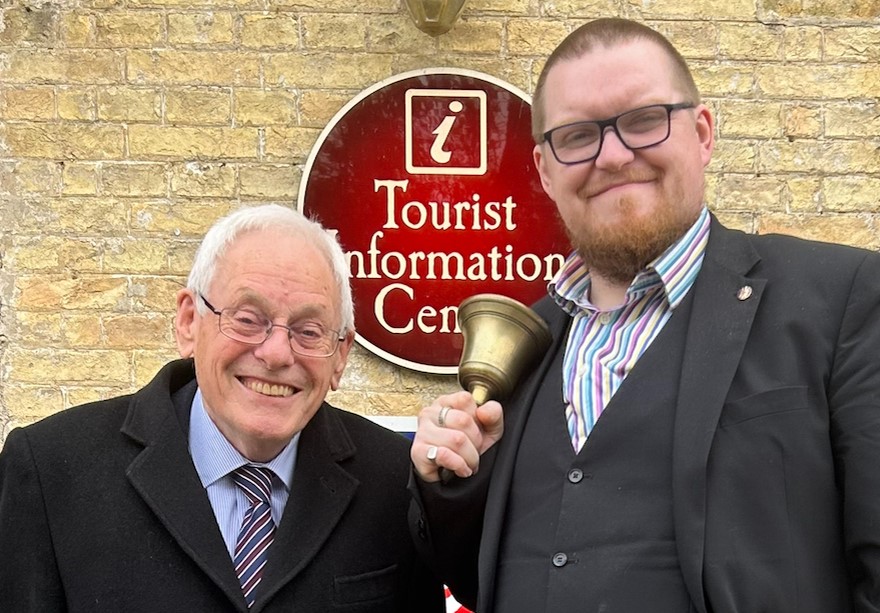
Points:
[(270, 216)]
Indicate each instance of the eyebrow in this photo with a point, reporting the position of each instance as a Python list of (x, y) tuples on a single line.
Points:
[(250, 297)]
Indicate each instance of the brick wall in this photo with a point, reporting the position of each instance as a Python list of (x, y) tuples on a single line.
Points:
[(126, 128)]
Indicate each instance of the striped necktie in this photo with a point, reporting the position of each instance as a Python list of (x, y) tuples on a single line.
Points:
[(257, 528)]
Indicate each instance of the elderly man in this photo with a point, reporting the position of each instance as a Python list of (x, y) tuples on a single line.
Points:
[(704, 433), (227, 483)]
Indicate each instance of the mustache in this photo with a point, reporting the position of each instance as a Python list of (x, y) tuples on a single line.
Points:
[(594, 188)]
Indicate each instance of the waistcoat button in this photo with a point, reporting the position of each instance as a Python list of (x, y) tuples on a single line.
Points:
[(575, 475), (560, 559)]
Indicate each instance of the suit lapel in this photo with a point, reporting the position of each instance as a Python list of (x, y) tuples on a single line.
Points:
[(320, 494), (164, 476), (724, 305)]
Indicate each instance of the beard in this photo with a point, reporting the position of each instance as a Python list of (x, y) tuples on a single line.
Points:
[(617, 252)]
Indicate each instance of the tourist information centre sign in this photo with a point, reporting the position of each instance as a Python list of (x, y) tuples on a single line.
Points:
[(429, 180)]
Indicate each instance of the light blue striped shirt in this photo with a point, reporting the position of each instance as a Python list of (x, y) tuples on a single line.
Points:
[(604, 346), (215, 457)]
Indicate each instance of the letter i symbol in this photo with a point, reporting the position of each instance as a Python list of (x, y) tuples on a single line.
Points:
[(438, 153)]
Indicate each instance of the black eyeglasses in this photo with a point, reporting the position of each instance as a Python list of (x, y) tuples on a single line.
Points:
[(640, 128), (253, 328)]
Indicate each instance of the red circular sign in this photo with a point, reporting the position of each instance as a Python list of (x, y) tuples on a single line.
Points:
[(429, 180)]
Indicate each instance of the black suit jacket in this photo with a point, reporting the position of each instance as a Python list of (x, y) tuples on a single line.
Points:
[(101, 509), (776, 450)]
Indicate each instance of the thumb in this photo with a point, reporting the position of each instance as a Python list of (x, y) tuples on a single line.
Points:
[(491, 420)]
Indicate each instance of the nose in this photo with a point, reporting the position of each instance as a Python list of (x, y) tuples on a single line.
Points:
[(276, 351), (614, 154)]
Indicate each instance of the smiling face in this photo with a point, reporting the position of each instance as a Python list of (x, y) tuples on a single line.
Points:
[(260, 396), (625, 207)]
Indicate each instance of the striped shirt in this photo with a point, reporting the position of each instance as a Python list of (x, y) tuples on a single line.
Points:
[(604, 346), (215, 458)]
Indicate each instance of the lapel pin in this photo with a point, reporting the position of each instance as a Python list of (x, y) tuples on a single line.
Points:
[(744, 292)]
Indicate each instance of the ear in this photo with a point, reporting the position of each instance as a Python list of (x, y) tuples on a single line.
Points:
[(186, 323), (541, 165), (705, 133), (341, 357)]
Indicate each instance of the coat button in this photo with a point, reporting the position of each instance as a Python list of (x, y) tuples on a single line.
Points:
[(560, 560), (575, 475)]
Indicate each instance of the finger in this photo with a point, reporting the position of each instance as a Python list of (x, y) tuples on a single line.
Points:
[(490, 418)]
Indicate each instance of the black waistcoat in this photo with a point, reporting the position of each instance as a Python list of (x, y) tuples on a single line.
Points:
[(593, 532)]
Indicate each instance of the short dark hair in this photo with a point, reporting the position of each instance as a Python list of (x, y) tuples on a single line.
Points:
[(606, 32)]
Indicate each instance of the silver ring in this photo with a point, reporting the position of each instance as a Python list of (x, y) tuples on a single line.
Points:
[(432, 454), (441, 417)]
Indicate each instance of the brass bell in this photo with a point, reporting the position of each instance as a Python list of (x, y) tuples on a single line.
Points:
[(502, 338)]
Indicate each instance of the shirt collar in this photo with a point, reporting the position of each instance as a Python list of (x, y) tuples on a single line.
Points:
[(675, 269), (215, 457)]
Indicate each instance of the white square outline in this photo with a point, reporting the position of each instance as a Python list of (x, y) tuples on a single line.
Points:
[(446, 170)]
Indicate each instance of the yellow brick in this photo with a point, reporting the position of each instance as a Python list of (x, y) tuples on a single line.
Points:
[(147, 141), (194, 68), (845, 229), (148, 363), (129, 104), (515, 71), (693, 39), (182, 218), (98, 366), (845, 10), (28, 178), (77, 104), (394, 34), (733, 156), (344, 70), (138, 331), (317, 107), (748, 192), (750, 41), (67, 141), (198, 106), (505, 7), (340, 6), (75, 395), (32, 24), (534, 37), (289, 143), (270, 31), (581, 8), (263, 108), (802, 121), (706, 9), (817, 81), (750, 119), (852, 194), (37, 329), (79, 179), (52, 292), (128, 29), (473, 36), (135, 256), (269, 182), (83, 216), (76, 29), (200, 179), (29, 403), (204, 28), (218, 4), (56, 254), (803, 43), (328, 31), (63, 66), (856, 44), (126, 179), (156, 293), (28, 103), (180, 258), (821, 156), (804, 194), (82, 329), (853, 119), (723, 80)]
